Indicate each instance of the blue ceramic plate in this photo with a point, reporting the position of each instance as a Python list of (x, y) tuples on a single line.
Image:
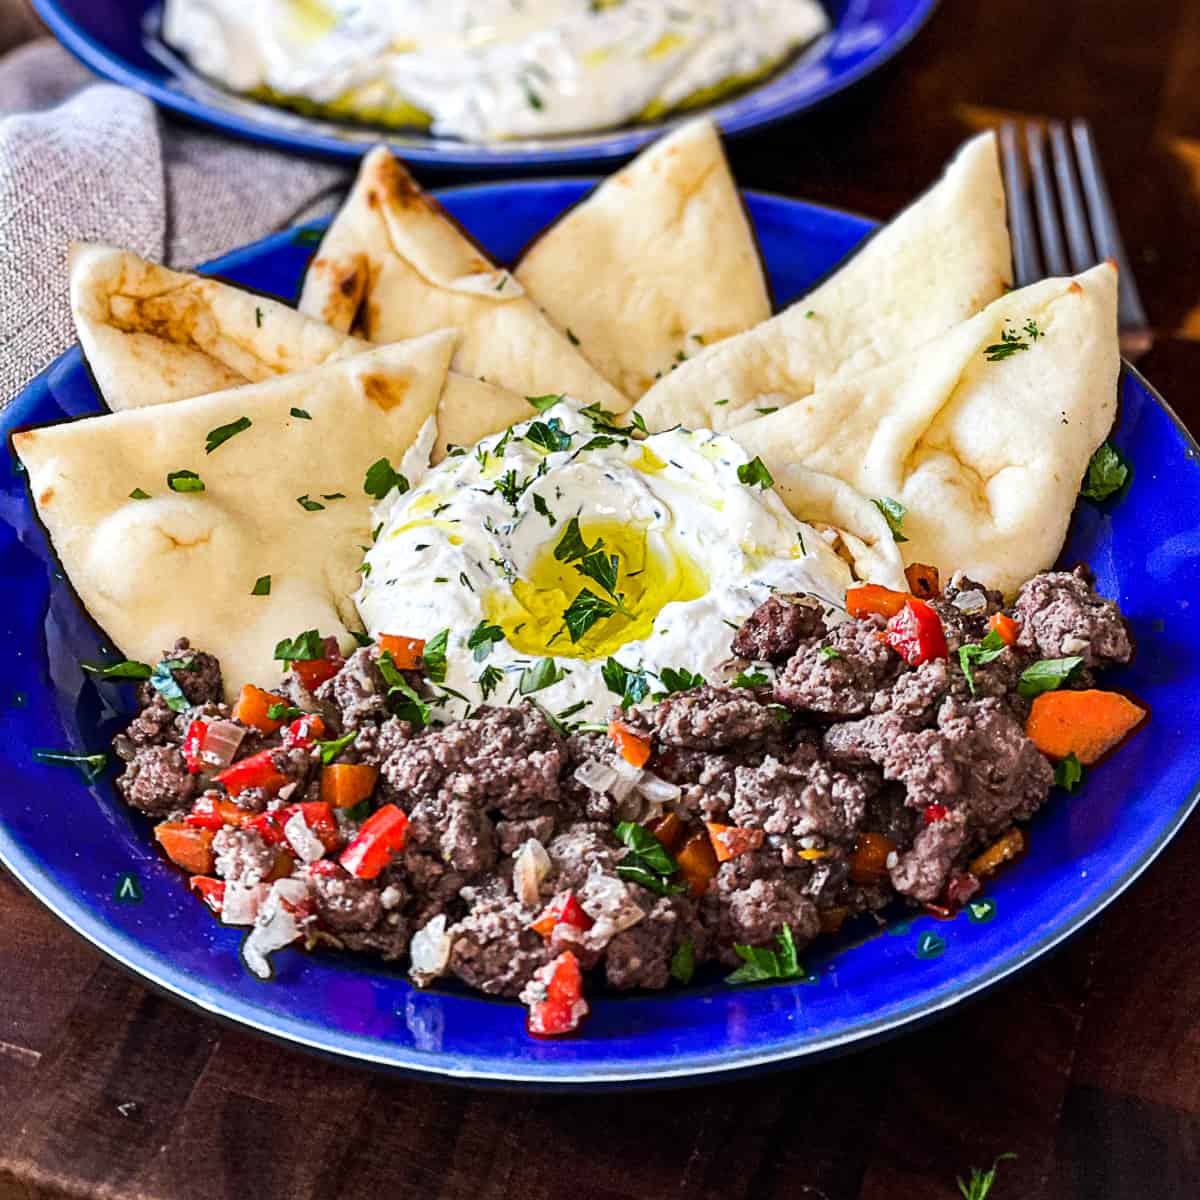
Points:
[(118, 39), (92, 860)]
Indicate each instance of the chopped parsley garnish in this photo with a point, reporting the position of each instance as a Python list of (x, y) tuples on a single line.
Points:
[(304, 647), (647, 862), (531, 97), (462, 578), (510, 488), (381, 478), (122, 670), (258, 317), (678, 679), (453, 451), (979, 654), (482, 639), (542, 403), (632, 686), (1107, 474), (163, 681), (309, 505), (594, 563), (333, 495), (543, 510), (572, 338), (1011, 342), (301, 414), (829, 652), (185, 481), (262, 586), (361, 639), (222, 434), (499, 288), (330, 750), (571, 545), (766, 412), (760, 963), (434, 656), (548, 435), (90, 766), (720, 403), (893, 513), (755, 474), (284, 712), (800, 539), (402, 701), (599, 442), (1047, 675), (1068, 774), (584, 611), (979, 1186), (139, 494), (683, 962), (489, 680), (543, 674), (750, 679)]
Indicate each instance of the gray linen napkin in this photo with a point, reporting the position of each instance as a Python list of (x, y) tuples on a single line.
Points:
[(82, 160)]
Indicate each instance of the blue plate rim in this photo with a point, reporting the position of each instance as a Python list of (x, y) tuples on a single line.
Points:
[(131, 956), (621, 143)]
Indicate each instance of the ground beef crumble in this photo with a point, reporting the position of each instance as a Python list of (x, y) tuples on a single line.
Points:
[(846, 740)]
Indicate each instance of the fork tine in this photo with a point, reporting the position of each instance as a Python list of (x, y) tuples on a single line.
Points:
[(1049, 226), (1104, 228), (1026, 260), (1083, 255)]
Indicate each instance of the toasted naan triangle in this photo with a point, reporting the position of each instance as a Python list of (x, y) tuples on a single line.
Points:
[(985, 447), (394, 265), (152, 335), (657, 263), (184, 564), (938, 263)]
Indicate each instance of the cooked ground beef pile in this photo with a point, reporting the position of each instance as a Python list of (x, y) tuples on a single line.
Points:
[(840, 778)]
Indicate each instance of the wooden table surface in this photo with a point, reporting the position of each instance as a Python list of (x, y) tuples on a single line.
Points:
[(1087, 1066)]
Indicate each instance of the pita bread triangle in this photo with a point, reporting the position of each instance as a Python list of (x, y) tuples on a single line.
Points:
[(983, 435), (283, 497), (938, 263), (394, 265), (152, 335), (658, 262)]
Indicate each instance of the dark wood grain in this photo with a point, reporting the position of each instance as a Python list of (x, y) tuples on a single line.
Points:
[(1087, 1066)]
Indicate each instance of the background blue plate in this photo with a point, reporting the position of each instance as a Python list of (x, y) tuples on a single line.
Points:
[(117, 39), (92, 861)]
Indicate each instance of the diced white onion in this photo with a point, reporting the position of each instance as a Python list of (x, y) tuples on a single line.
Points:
[(611, 905), (531, 865), (971, 602), (221, 743), (595, 775), (658, 790), (390, 897), (628, 778), (287, 791), (430, 950), (1074, 645), (242, 902), (275, 928), (301, 838)]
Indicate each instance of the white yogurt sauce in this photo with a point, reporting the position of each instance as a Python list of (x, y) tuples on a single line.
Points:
[(486, 70), (482, 548)]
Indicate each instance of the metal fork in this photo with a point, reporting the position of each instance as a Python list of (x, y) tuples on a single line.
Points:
[(1087, 230)]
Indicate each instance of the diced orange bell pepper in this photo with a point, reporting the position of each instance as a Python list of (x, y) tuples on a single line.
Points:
[(406, 652), (728, 841), (252, 707), (343, 785), (668, 829), (1086, 723), (1005, 627), (314, 672), (634, 748), (868, 863), (873, 600), (697, 862), (187, 846), (924, 582), (1003, 850)]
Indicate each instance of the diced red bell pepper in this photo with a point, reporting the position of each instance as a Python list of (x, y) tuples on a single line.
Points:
[(558, 1005), (269, 827), (916, 634), (211, 891), (214, 812), (193, 746), (324, 866), (935, 813), (315, 671), (318, 816), (1005, 627), (728, 841), (382, 835), (304, 731), (960, 887), (564, 909), (257, 771)]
